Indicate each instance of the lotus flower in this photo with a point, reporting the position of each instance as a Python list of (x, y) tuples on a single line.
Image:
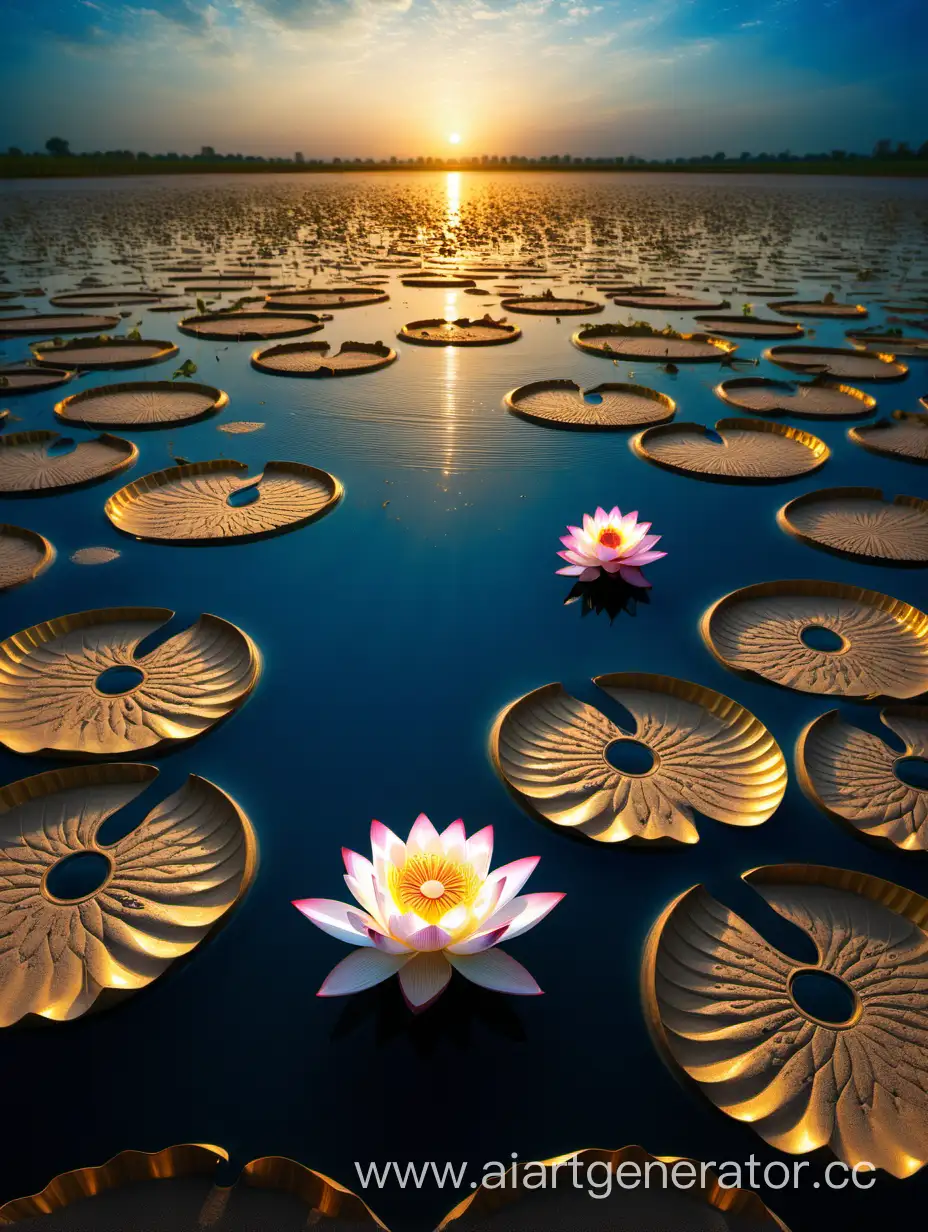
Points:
[(426, 906), (610, 542)]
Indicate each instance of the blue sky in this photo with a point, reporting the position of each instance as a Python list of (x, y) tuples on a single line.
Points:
[(381, 77)]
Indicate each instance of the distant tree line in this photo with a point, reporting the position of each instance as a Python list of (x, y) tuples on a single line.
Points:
[(885, 151)]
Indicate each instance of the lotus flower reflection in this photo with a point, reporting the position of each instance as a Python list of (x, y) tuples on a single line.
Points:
[(611, 543), (426, 906)]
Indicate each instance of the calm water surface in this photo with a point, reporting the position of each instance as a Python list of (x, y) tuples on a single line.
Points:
[(395, 629)]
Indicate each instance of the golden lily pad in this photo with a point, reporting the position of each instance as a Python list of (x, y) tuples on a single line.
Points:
[(877, 646), (247, 326), (61, 323), (54, 696), (816, 399), (852, 775), (740, 326), (707, 754), (181, 1187), (23, 379), (551, 305), (726, 1008), (613, 343), (666, 301), (563, 404), (30, 461), (858, 523), (312, 359), (904, 435), (191, 503), (103, 299), (817, 308), (463, 332), (436, 280), (312, 298), (103, 353), (168, 883), (749, 451), (141, 404), (897, 344), (842, 363), (24, 554)]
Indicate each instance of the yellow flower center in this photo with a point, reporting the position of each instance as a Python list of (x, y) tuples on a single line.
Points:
[(609, 537), (431, 885)]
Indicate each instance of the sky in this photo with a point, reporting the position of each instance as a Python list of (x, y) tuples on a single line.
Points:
[(375, 78)]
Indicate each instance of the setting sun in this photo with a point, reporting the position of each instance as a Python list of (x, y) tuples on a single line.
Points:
[(454, 138)]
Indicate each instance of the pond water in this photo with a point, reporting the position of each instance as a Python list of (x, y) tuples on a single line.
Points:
[(394, 629)]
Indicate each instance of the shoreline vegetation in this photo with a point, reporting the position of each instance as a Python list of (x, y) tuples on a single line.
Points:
[(887, 159)]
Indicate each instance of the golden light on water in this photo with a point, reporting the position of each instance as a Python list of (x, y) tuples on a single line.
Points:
[(453, 193)]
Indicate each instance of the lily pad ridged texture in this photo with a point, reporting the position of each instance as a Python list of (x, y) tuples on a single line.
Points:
[(843, 364), (312, 359), (103, 353), (860, 524), (551, 305), (247, 326), (708, 754), (170, 880), (463, 332), (141, 404), (19, 379), (562, 404), (312, 298), (879, 644), (749, 451), (24, 554), (816, 399), (191, 504), (722, 1005), (614, 342), (30, 462), (51, 699), (852, 774), (61, 323), (748, 327), (904, 435)]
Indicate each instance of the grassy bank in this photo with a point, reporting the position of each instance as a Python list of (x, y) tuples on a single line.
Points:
[(40, 166)]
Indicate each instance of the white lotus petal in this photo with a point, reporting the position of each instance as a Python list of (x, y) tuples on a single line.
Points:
[(495, 969), (361, 969), (424, 979), (340, 920)]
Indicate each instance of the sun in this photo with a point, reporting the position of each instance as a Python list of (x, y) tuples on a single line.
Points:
[(454, 138)]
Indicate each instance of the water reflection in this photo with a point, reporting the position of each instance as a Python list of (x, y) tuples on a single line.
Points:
[(453, 191), (451, 357), (608, 594)]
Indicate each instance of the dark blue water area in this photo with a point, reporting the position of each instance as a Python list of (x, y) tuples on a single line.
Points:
[(392, 632)]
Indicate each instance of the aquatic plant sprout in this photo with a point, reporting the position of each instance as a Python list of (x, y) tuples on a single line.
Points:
[(609, 543), (428, 906)]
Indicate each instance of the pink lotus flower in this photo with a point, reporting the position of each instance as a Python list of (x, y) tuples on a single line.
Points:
[(426, 906), (610, 542)]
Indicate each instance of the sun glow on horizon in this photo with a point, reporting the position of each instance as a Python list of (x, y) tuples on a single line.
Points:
[(454, 138)]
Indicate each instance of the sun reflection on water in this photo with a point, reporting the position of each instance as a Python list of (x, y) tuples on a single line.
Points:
[(453, 192)]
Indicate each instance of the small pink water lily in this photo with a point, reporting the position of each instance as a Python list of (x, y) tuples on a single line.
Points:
[(426, 906), (611, 542)]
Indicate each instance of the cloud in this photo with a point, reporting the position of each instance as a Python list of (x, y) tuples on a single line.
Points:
[(186, 13), (310, 14)]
